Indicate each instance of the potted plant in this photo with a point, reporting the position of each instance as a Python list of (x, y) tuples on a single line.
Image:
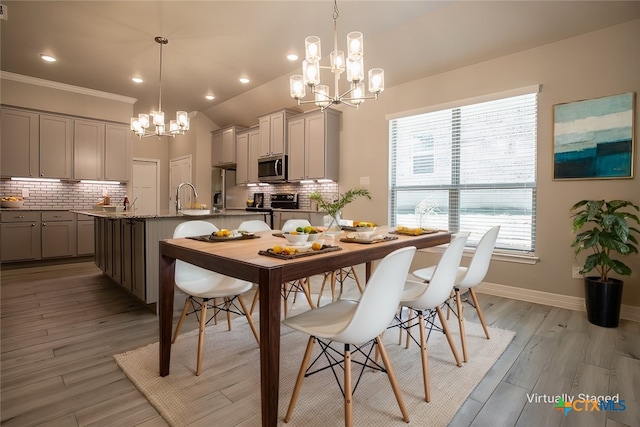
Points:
[(338, 202), (603, 228)]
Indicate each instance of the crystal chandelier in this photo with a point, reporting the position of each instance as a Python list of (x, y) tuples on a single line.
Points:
[(354, 66), (140, 124)]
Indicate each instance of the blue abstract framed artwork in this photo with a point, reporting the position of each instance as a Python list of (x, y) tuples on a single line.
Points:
[(594, 138)]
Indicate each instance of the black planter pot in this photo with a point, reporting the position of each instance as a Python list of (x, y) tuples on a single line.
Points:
[(603, 301)]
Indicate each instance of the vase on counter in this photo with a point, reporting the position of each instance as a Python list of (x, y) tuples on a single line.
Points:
[(332, 222)]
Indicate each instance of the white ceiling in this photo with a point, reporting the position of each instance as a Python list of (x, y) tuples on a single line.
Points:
[(102, 44)]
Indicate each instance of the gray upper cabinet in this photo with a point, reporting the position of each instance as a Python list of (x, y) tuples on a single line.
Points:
[(273, 133), (314, 145), (117, 153), (87, 149), (56, 146), (223, 146), (247, 143), (20, 143), (102, 151), (36, 145)]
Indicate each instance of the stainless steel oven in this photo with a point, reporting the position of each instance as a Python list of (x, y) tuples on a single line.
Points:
[(272, 169)]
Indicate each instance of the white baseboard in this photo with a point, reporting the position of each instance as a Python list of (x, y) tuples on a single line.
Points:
[(547, 298)]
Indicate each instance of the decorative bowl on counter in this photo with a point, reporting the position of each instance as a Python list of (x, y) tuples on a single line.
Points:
[(113, 208), (11, 202)]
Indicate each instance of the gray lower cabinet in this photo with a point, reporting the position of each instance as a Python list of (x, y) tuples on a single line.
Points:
[(133, 256), (85, 235), (58, 234), (126, 249), (19, 236), (35, 235)]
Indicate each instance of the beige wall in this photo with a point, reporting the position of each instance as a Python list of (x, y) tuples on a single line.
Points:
[(597, 64)]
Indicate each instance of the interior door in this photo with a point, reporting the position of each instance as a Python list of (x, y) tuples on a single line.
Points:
[(146, 187), (180, 171)]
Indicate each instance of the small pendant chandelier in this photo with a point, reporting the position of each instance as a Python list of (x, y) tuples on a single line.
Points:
[(354, 66), (140, 124)]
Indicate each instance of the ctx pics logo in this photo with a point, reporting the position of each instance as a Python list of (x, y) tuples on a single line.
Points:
[(587, 403), (581, 403)]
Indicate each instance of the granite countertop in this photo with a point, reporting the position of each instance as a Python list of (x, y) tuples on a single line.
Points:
[(103, 214)]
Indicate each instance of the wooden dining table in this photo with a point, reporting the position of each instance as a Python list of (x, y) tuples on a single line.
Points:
[(241, 259)]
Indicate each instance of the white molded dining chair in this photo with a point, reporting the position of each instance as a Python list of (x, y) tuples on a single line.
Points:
[(300, 285), (468, 278), (254, 226), (358, 323), (203, 287), (426, 299)]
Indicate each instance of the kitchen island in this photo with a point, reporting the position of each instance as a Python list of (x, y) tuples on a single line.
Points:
[(126, 244)]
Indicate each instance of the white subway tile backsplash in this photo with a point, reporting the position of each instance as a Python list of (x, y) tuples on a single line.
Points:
[(62, 195)]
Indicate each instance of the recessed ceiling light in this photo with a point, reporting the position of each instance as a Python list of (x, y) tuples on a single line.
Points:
[(136, 80), (244, 80), (47, 58), (210, 97), (292, 57)]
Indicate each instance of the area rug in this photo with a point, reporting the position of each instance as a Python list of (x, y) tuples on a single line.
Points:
[(228, 391)]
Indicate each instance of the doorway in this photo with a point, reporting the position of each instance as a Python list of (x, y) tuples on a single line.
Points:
[(180, 171), (146, 186)]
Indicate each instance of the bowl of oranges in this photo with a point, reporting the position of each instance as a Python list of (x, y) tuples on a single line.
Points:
[(11, 202), (296, 238)]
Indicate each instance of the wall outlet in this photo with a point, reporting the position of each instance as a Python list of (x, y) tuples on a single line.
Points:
[(4, 12), (575, 272), (25, 193)]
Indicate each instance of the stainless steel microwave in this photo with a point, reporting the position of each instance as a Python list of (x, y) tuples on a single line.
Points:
[(272, 169)]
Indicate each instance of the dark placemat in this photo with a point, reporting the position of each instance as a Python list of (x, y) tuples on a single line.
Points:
[(368, 242), (211, 238), (424, 231), (325, 249)]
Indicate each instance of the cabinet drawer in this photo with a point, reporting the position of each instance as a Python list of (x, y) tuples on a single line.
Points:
[(58, 216), (20, 216)]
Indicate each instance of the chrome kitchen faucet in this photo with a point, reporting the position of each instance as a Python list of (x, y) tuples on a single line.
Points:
[(182, 184)]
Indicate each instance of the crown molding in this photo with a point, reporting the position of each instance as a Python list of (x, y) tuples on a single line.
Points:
[(5, 75)]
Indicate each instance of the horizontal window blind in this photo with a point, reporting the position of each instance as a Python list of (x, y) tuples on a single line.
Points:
[(468, 168)]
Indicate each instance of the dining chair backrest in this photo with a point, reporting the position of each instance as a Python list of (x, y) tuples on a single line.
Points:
[(444, 276), (254, 225), (479, 264), (379, 301), (185, 271), (292, 224)]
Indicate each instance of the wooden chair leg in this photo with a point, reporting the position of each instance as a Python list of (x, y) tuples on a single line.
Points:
[(254, 303), (392, 379), (296, 388), (479, 311), (305, 284), (448, 335), (463, 336), (203, 323), (424, 357), (227, 304), (249, 319), (355, 277), (215, 317), (182, 317), (449, 308), (409, 325), (327, 275), (348, 390)]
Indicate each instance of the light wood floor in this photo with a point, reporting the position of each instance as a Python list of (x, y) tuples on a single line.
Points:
[(61, 324)]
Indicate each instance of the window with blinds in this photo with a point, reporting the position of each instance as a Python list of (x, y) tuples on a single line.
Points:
[(468, 168)]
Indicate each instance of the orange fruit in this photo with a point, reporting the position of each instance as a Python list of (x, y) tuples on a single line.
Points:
[(316, 246), (277, 249)]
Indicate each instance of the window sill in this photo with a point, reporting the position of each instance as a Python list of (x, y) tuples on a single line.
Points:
[(498, 255)]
